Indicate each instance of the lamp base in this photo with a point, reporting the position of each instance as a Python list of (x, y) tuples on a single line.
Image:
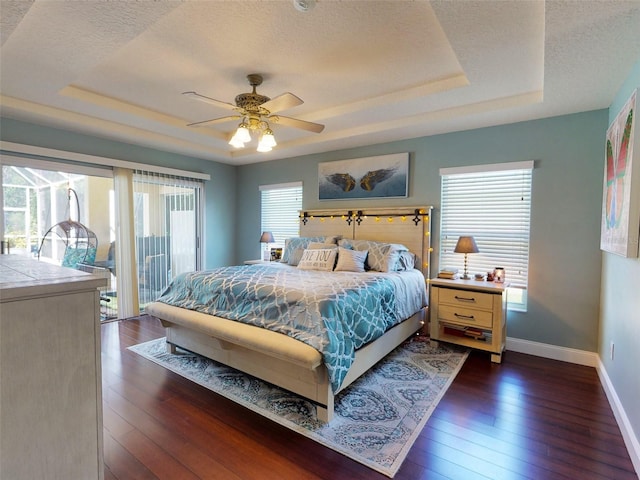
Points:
[(465, 277)]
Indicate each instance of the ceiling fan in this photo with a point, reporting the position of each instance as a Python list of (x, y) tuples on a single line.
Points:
[(255, 112)]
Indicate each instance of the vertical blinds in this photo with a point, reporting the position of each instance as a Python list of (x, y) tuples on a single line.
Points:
[(493, 206), (280, 209), (167, 229)]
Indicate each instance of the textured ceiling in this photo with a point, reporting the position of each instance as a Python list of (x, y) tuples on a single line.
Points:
[(370, 71)]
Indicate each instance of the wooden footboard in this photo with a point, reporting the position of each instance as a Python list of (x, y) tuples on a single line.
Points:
[(285, 362)]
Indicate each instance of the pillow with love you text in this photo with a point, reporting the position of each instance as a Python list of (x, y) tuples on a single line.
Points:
[(318, 259)]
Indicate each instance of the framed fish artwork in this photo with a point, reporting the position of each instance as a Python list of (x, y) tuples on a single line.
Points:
[(383, 176), (620, 226)]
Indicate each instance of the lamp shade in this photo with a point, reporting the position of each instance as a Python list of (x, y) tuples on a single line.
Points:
[(466, 245), (267, 139), (242, 134), (266, 237)]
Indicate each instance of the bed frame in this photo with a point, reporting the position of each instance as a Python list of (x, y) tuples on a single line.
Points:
[(282, 360)]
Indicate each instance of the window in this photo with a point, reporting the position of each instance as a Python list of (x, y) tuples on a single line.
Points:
[(280, 209), (492, 203), (163, 208)]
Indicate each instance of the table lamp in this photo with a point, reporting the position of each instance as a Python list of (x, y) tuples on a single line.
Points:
[(466, 245), (266, 237)]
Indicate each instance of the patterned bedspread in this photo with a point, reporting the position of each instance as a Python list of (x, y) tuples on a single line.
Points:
[(334, 312)]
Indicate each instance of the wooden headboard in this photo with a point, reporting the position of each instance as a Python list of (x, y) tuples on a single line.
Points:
[(410, 226)]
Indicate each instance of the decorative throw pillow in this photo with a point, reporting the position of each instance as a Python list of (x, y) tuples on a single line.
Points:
[(296, 255), (291, 244), (406, 261), (382, 257), (319, 259), (317, 245), (351, 260)]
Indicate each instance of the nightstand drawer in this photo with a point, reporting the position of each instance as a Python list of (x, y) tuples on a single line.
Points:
[(466, 298), (465, 316)]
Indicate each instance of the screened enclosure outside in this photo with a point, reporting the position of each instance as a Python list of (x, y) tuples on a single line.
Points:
[(61, 218), (34, 201)]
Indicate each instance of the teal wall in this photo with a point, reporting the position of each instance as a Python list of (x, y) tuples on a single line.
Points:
[(565, 260), (564, 300), (620, 300), (219, 192)]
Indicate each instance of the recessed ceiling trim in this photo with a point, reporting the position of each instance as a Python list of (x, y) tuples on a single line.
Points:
[(114, 104), (429, 88), (29, 111)]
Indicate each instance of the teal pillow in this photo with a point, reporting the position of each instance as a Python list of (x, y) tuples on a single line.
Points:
[(74, 255), (294, 243)]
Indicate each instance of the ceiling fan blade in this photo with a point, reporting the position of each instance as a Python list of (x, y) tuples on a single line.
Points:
[(215, 120), (211, 101), (296, 123), (282, 102)]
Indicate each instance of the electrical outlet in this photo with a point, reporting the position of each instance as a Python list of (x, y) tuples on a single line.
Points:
[(611, 350)]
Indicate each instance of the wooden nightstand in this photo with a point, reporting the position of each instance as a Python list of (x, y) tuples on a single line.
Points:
[(470, 313)]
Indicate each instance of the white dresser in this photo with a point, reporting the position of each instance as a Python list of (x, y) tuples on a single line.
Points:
[(50, 376)]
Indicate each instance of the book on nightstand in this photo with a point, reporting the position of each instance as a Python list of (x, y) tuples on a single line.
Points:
[(474, 333), (454, 330), (448, 273)]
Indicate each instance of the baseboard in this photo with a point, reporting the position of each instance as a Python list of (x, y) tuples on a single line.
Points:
[(630, 440), (571, 355), (590, 359)]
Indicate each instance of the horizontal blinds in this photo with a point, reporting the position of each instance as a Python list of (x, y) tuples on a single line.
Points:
[(280, 207), (493, 207)]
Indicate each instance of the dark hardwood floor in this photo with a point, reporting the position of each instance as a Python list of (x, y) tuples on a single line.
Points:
[(526, 418)]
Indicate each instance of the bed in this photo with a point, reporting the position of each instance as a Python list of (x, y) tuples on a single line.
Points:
[(289, 356)]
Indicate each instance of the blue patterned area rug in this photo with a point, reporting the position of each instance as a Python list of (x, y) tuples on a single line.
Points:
[(377, 419)]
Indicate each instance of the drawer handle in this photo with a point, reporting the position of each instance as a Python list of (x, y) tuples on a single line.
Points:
[(466, 317), (465, 299)]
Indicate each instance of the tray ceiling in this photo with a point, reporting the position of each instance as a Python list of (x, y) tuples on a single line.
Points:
[(370, 71)]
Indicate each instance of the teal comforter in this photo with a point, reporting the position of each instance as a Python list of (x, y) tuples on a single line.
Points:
[(333, 312)]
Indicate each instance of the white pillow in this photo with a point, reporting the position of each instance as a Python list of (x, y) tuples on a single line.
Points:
[(351, 260), (318, 259), (296, 255)]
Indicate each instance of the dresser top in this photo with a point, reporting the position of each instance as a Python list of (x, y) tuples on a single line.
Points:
[(22, 276)]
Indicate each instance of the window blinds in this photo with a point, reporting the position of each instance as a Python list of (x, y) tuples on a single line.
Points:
[(492, 204), (280, 209), (167, 222)]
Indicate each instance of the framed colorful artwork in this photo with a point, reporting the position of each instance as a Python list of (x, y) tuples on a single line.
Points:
[(620, 226), (370, 177)]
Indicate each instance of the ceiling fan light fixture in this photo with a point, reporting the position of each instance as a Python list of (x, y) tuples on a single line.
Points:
[(234, 142), (256, 110), (263, 148), (267, 139), (242, 134)]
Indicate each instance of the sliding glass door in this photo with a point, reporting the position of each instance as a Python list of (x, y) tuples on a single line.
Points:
[(166, 223), (140, 229), (62, 218)]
